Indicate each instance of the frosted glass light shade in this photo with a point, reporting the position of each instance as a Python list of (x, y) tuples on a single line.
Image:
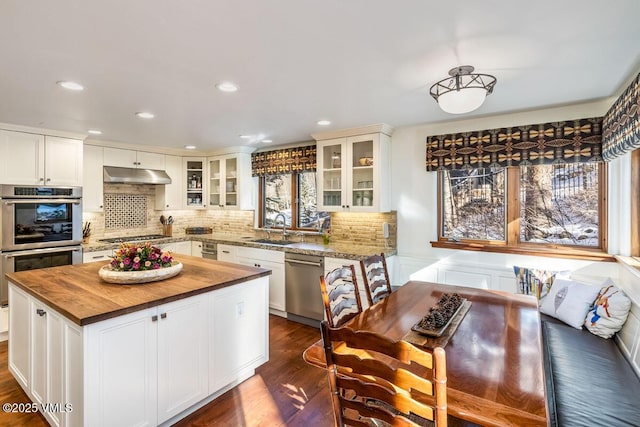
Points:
[(462, 101)]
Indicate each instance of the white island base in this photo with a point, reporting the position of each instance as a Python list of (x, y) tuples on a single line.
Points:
[(149, 367)]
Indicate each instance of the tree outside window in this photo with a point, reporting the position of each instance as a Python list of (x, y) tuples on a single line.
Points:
[(294, 196), (557, 205)]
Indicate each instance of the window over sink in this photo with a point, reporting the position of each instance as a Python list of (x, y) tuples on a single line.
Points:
[(293, 195)]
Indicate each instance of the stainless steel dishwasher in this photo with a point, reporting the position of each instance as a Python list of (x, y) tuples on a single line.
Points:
[(302, 288)]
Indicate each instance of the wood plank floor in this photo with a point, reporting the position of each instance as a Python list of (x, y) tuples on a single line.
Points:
[(284, 392)]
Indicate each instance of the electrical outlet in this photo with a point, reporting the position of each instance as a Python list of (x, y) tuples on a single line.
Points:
[(385, 230), (240, 309)]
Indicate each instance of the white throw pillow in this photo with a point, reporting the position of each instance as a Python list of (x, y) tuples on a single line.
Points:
[(569, 301), (608, 312)]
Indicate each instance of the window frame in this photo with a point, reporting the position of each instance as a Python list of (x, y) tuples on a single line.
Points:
[(512, 244), (295, 202)]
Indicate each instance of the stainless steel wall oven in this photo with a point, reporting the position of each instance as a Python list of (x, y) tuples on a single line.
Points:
[(40, 227)]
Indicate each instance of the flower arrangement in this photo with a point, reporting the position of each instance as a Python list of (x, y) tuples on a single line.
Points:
[(136, 257)]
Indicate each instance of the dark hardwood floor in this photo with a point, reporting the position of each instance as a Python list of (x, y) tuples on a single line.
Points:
[(286, 391)]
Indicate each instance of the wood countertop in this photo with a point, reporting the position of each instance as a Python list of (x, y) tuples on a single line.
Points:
[(78, 293)]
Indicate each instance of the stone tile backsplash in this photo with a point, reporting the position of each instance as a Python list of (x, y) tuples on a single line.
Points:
[(142, 218)]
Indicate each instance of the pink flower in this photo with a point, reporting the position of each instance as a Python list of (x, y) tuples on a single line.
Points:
[(156, 266), (147, 263), (136, 259), (126, 261), (136, 266)]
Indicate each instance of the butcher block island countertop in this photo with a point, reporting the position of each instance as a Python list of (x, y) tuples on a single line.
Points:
[(78, 293), (102, 355)]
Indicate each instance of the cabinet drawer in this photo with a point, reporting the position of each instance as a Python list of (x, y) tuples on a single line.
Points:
[(260, 254)]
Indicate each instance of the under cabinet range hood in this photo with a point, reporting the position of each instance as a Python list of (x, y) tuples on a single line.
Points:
[(135, 176)]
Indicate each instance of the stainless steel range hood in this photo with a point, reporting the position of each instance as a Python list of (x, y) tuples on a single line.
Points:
[(135, 176)]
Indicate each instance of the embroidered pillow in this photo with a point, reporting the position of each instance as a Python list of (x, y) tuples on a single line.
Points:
[(536, 282), (608, 312), (569, 301)]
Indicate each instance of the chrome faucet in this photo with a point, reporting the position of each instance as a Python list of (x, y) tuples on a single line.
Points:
[(284, 225)]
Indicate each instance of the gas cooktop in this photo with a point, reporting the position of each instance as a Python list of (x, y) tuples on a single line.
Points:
[(132, 238)]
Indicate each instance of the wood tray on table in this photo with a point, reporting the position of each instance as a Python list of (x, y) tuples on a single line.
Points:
[(438, 337)]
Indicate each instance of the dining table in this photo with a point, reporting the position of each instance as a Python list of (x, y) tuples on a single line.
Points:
[(495, 369)]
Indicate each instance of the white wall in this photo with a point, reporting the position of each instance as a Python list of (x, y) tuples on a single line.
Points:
[(415, 199)]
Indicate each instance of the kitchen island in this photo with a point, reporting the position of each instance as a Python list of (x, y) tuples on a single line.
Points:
[(91, 353)]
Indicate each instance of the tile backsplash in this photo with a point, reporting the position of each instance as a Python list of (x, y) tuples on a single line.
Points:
[(123, 211), (129, 210)]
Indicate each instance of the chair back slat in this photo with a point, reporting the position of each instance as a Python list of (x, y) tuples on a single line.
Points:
[(376, 278), (373, 377), (340, 295)]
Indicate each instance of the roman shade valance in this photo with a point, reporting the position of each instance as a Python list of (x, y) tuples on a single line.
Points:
[(283, 161), (571, 141), (621, 125)]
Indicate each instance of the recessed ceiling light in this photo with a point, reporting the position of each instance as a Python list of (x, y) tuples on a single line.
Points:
[(95, 132), (267, 141), (324, 122), (245, 136), (145, 115), (227, 87), (190, 147), (70, 85)]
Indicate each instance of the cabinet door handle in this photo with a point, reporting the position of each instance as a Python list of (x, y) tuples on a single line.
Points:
[(97, 257), (48, 179), (225, 252), (41, 179), (163, 315), (40, 312), (154, 318)]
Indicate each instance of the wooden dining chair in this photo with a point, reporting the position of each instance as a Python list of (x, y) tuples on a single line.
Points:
[(373, 379), (340, 295), (376, 278)]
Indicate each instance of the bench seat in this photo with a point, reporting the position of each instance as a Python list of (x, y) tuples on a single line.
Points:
[(589, 381)]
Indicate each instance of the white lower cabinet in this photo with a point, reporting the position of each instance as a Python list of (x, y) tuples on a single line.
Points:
[(271, 260), (227, 253), (105, 255), (183, 248), (159, 352), (42, 343), (143, 368), (241, 341)]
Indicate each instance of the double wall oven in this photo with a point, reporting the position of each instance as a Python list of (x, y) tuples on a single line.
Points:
[(40, 227)]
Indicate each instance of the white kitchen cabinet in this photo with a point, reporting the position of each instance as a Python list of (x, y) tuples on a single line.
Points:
[(230, 184), (353, 173), (331, 264), (41, 338), (133, 159), (32, 159), (169, 196), (240, 321), (196, 248), (194, 184), (228, 253), (104, 255), (92, 182), (161, 356), (272, 260), (183, 248)]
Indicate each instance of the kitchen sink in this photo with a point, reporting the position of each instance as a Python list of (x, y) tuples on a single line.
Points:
[(273, 242)]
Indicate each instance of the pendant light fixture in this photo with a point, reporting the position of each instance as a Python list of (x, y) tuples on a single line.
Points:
[(463, 91)]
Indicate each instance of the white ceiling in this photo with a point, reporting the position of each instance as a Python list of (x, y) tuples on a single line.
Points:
[(354, 62)]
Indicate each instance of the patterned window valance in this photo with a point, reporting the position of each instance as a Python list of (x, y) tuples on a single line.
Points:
[(621, 125), (573, 141), (286, 160)]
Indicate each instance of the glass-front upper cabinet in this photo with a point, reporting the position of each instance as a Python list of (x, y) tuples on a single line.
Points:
[(353, 173), (229, 182), (330, 168), (195, 181)]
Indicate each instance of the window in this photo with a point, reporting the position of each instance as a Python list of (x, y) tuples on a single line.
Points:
[(526, 207), (293, 196)]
